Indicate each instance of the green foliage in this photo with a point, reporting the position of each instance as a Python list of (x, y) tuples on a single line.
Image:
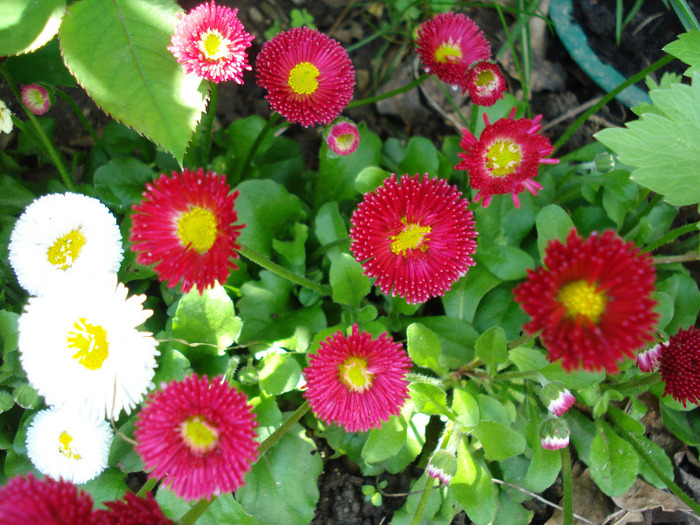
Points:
[(26, 26), (613, 462)]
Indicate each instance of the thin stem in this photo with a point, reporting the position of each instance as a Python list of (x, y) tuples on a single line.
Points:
[(86, 124), (53, 154), (670, 236), (448, 96), (671, 259), (567, 486), (283, 429), (192, 515), (609, 96), (649, 460), (275, 268), (526, 50), (208, 123), (474, 119), (371, 100), (245, 165), (420, 509), (147, 487), (635, 383)]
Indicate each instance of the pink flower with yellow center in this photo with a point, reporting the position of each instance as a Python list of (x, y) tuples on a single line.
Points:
[(198, 435), (36, 98), (343, 138), (356, 381), (485, 83), (679, 363), (448, 44), (416, 237), (185, 227), (210, 41), (308, 76), (505, 158), (591, 301)]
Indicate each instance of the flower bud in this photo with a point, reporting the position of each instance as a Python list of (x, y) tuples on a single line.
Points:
[(342, 137), (648, 360), (554, 434), (557, 398), (442, 466), (36, 98), (485, 83)]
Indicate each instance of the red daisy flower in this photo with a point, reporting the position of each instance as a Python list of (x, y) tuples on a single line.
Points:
[(185, 225), (198, 435), (448, 44), (27, 500), (506, 157), (356, 381), (593, 302), (485, 83), (308, 76), (210, 41), (679, 362), (416, 238), (134, 511)]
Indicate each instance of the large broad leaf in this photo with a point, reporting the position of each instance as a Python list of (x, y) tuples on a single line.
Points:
[(117, 50), (27, 25), (664, 144)]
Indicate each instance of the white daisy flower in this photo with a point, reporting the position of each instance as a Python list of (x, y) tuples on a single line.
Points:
[(62, 235), (5, 118), (79, 346), (62, 443)]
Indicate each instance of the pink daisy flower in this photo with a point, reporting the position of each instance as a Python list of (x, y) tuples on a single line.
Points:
[(416, 238), (679, 363), (485, 83), (343, 138), (591, 300), (357, 382), (27, 500), (648, 360), (36, 98), (210, 41), (506, 157), (198, 435), (185, 227), (448, 44), (308, 76), (134, 511)]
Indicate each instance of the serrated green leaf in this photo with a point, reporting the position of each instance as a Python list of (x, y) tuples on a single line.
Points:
[(120, 183), (386, 441), (491, 347), (8, 330), (108, 486), (347, 280), (424, 347), (499, 441), (687, 49), (117, 49), (6, 401), (280, 373), (26, 397), (614, 463), (28, 25), (473, 488)]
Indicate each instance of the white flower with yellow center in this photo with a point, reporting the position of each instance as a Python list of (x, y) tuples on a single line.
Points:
[(79, 346), (5, 118), (63, 235), (63, 443)]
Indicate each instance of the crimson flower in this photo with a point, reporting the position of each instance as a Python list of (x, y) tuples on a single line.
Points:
[(448, 44), (210, 41), (505, 158), (357, 382), (416, 237), (198, 435), (485, 83), (134, 510), (679, 363), (185, 227), (591, 300), (308, 76)]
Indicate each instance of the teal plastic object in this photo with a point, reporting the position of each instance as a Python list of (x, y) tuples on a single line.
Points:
[(576, 43)]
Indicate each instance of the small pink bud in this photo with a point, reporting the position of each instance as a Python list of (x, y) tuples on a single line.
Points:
[(36, 98), (648, 360), (342, 137), (554, 434), (557, 398)]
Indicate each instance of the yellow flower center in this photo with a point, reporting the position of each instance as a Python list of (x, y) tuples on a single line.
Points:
[(414, 236), (345, 140), (199, 435), (63, 253), (197, 228), (354, 374), (213, 45), (484, 78), (503, 158), (302, 78), (448, 53), (91, 343), (583, 298), (64, 447)]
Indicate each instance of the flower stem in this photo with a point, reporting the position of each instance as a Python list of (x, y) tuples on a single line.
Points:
[(192, 515), (245, 165), (275, 268), (208, 122), (147, 487), (283, 429), (639, 382), (88, 127), (371, 100), (53, 154), (609, 96), (568, 487), (420, 509), (671, 259), (473, 121), (670, 236)]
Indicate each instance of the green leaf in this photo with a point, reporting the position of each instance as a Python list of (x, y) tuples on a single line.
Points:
[(8, 330), (429, 399), (583, 432), (349, 284), (404, 515), (466, 408), (385, 442), (6, 401), (120, 183), (552, 222), (369, 179), (687, 49), (505, 262), (614, 463), (421, 157), (424, 347), (26, 397), (44, 65), (280, 373), (660, 459), (543, 470), (510, 512), (29, 24), (461, 300), (499, 441), (473, 489), (224, 509), (294, 252), (207, 318), (456, 338), (117, 49), (108, 486), (329, 228), (283, 486), (491, 347), (686, 300), (14, 197), (677, 422)]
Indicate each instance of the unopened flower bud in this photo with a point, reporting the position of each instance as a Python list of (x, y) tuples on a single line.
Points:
[(485, 83), (36, 98), (442, 466), (648, 360), (557, 398), (342, 137), (554, 434)]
